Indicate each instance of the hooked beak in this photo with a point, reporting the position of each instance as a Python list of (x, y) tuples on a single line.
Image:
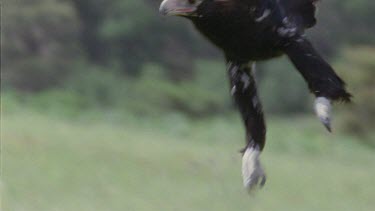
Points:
[(177, 8)]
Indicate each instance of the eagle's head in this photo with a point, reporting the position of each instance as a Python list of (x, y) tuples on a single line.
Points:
[(195, 8)]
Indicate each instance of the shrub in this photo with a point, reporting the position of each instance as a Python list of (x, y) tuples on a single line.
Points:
[(357, 65)]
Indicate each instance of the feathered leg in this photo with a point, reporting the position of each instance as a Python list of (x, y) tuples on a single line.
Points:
[(320, 76), (244, 92)]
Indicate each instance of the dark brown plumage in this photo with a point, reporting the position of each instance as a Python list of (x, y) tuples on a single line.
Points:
[(252, 30)]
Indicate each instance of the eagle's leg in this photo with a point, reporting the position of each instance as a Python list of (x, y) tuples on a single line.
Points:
[(244, 92), (322, 80)]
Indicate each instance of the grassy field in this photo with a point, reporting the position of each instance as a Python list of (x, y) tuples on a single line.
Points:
[(172, 163)]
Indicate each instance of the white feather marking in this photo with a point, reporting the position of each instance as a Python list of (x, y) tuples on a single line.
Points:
[(322, 107), (245, 80), (233, 70), (287, 31), (286, 21), (162, 5), (252, 172), (265, 14), (233, 90), (253, 9)]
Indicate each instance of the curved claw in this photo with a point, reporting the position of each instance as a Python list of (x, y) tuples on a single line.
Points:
[(327, 124), (323, 111), (252, 172)]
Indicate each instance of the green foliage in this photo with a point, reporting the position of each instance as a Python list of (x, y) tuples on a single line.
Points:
[(89, 87), (127, 18), (364, 8), (97, 87), (357, 65), (139, 61), (282, 88), (131, 33), (152, 92), (38, 45)]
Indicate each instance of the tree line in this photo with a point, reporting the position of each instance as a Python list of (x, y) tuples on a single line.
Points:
[(86, 47)]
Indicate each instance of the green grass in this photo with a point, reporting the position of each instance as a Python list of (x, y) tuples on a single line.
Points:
[(172, 163)]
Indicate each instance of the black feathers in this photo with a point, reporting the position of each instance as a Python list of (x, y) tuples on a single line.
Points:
[(321, 78), (255, 30), (301, 11), (251, 30)]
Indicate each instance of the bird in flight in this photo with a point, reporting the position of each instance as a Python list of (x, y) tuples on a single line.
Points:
[(248, 31)]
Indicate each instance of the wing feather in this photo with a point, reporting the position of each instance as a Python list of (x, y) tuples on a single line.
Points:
[(302, 12)]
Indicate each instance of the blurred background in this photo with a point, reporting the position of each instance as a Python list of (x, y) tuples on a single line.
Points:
[(107, 105)]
